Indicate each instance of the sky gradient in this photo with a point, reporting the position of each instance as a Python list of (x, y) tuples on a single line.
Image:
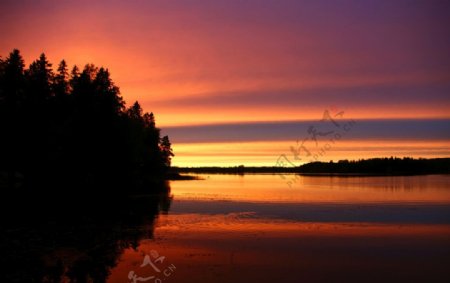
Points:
[(218, 74)]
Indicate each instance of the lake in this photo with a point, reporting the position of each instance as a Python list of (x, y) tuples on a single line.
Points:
[(257, 228)]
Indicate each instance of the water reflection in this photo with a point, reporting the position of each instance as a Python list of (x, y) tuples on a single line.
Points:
[(272, 188), (254, 228), (246, 248), (250, 228), (77, 241)]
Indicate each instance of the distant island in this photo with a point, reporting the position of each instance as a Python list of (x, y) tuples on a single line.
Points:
[(373, 166)]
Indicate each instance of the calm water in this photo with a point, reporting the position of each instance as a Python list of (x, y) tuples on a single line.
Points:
[(255, 228)]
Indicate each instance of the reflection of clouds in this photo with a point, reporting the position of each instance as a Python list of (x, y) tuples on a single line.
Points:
[(182, 220), (217, 213), (270, 188), (226, 198)]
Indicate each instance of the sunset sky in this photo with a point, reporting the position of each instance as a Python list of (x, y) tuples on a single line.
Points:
[(242, 82)]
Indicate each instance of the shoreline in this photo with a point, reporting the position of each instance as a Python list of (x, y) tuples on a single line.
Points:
[(190, 177)]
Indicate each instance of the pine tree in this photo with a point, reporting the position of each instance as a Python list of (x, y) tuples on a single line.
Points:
[(61, 83), (74, 76), (166, 151), (107, 92), (135, 112), (149, 120), (12, 79), (40, 77)]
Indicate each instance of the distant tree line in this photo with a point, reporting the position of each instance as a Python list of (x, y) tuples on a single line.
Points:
[(71, 128), (374, 166), (381, 166)]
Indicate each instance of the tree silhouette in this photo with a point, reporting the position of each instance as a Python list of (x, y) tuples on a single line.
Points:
[(12, 73), (108, 94), (74, 76), (166, 151), (12, 83), (60, 126), (135, 112), (39, 80), (149, 120), (61, 84)]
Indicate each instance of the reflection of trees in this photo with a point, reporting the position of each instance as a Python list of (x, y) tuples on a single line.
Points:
[(381, 183), (46, 240)]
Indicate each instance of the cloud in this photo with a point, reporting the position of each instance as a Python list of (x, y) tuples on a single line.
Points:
[(419, 95), (428, 129), (249, 56)]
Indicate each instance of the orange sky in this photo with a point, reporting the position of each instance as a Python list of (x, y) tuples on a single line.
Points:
[(206, 62)]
